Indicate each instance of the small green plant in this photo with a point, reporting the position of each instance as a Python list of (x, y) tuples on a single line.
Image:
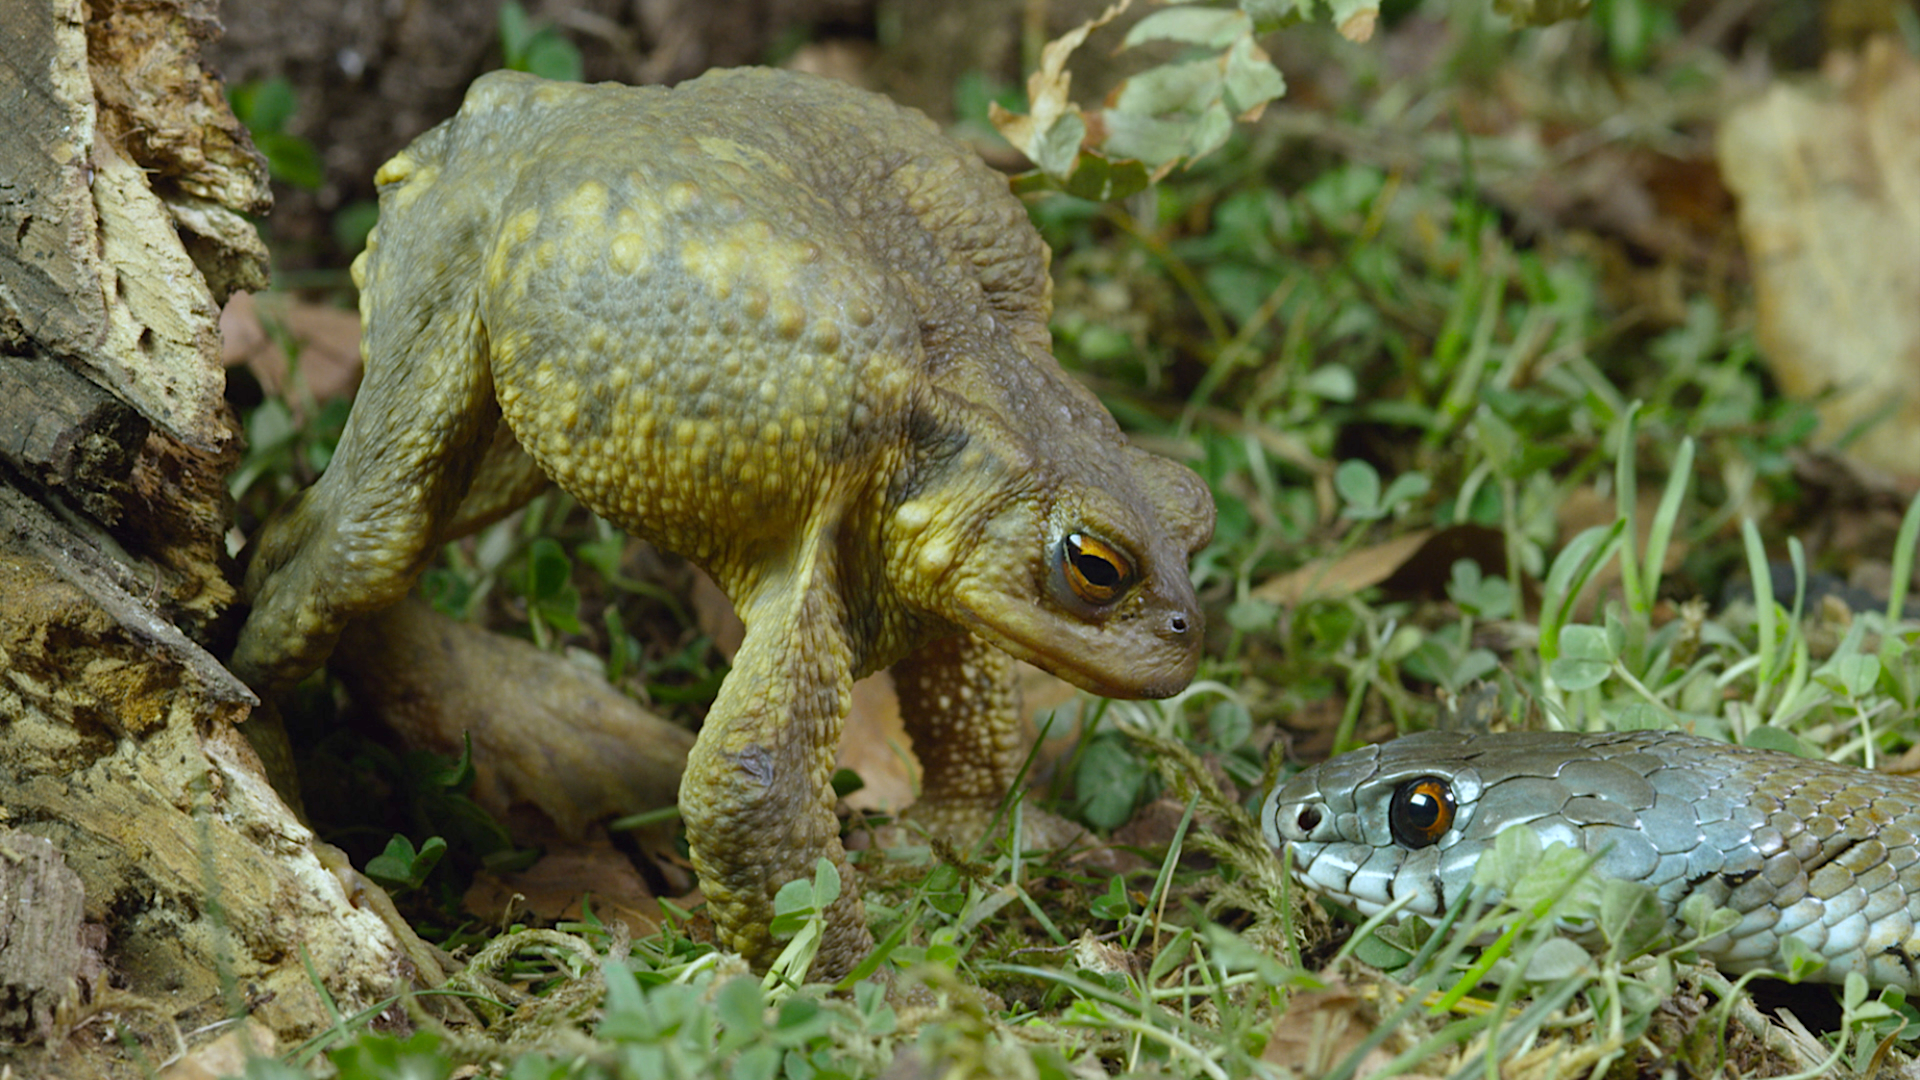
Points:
[(1178, 111), (353, 224), (800, 919), (282, 454), (553, 603), (402, 868), (266, 107), (535, 47), (439, 835), (1112, 779), (1359, 486)]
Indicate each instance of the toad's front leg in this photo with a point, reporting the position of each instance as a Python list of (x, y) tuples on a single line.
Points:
[(960, 703), (757, 797)]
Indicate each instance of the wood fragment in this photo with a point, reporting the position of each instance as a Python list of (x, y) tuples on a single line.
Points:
[(67, 435), (41, 901)]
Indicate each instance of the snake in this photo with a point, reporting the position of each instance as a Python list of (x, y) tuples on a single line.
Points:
[(1812, 850)]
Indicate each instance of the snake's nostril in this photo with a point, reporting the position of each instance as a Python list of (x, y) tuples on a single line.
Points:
[(1308, 820)]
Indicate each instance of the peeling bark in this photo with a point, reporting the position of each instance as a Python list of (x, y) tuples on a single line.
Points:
[(124, 182)]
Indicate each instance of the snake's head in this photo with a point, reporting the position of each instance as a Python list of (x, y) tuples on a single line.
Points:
[(1368, 827), (1368, 797), (1808, 852), (1411, 818)]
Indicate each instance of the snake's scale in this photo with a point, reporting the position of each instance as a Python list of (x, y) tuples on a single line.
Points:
[(1825, 853)]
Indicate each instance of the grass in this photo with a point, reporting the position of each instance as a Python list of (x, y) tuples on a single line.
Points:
[(1349, 346)]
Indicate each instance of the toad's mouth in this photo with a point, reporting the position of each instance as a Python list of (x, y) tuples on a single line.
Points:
[(1099, 661)]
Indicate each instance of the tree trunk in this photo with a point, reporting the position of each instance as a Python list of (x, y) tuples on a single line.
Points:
[(123, 181)]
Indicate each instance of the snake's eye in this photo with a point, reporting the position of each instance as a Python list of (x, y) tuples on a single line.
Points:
[(1096, 572), (1421, 811)]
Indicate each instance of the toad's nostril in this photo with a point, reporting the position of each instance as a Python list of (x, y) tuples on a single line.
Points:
[(1177, 624)]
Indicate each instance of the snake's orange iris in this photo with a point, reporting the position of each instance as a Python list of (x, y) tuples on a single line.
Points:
[(1421, 812)]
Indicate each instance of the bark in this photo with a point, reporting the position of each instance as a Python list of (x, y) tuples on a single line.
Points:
[(124, 185), (40, 951)]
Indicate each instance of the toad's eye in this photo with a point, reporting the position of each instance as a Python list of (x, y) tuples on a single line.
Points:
[(1421, 811), (1095, 572)]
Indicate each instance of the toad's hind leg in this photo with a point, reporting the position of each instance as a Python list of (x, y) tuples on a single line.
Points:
[(503, 482), (355, 541), (960, 704)]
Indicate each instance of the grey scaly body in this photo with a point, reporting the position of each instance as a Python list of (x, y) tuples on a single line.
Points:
[(1825, 853)]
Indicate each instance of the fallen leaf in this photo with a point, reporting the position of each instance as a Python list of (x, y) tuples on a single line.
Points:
[(327, 340), (557, 887), (714, 614), (1418, 564), (1321, 1029), (1153, 826), (1344, 575), (1052, 132), (844, 59), (1828, 183), (874, 744), (1358, 27)]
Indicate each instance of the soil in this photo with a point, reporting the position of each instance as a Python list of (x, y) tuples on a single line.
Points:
[(369, 75)]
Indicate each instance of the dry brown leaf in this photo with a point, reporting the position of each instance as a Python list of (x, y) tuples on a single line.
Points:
[(845, 59), (1038, 133), (714, 614), (1419, 563), (1326, 579), (1153, 826), (1828, 181), (554, 889), (1321, 1028), (874, 744), (1358, 27), (327, 338)]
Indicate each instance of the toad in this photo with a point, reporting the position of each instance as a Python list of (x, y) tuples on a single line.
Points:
[(790, 331)]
